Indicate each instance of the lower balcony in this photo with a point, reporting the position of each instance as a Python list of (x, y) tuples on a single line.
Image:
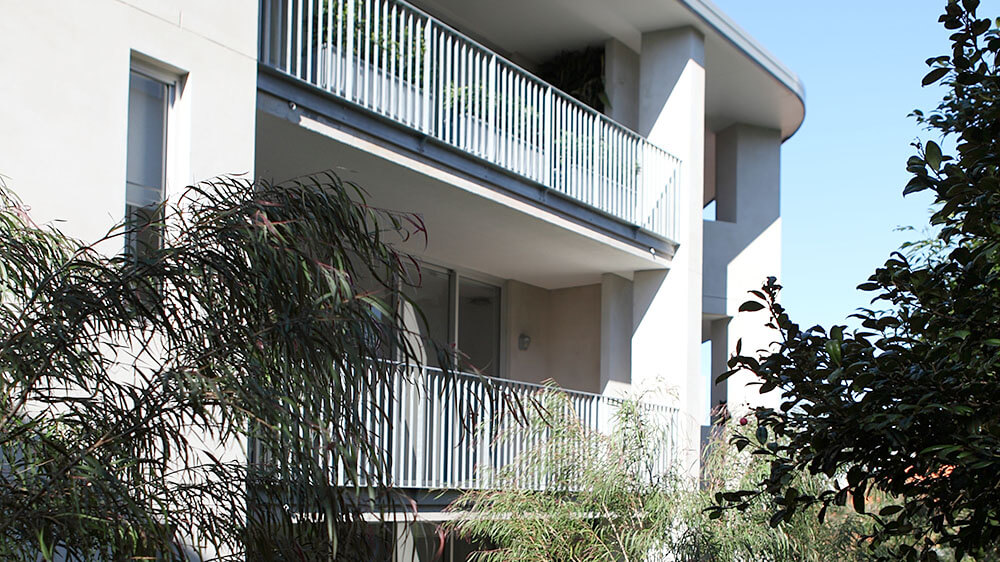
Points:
[(445, 431)]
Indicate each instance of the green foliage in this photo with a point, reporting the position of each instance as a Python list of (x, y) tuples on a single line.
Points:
[(907, 405), (574, 494), (582, 496), (130, 388), (758, 531), (579, 74)]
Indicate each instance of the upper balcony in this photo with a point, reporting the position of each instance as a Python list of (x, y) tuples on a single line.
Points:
[(394, 60)]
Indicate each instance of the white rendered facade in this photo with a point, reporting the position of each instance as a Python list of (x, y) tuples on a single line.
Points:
[(606, 291)]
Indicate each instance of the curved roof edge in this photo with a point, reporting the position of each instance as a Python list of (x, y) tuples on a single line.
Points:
[(727, 28)]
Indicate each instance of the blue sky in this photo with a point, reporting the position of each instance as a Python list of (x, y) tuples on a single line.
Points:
[(843, 172)]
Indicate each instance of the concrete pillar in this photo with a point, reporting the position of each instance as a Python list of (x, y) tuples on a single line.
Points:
[(621, 83), (747, 176), (616, 333), (743, 246), (720, 359), (666, 344)]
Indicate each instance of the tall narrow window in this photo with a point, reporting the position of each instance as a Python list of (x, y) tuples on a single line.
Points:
[(145, 174)]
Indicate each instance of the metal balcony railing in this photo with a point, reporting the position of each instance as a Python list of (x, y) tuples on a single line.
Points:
[(457, 430), (447, 431), (395, 60)]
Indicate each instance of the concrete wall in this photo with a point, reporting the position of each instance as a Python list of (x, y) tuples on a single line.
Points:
[(65, 95), (564, 327), (666, 341), (621, 83), (64, 106), (742, 248)]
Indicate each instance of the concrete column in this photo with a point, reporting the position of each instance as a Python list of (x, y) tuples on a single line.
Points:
[(666, 345), (621, 83), (616, 333), (720, 359), (743, 246)]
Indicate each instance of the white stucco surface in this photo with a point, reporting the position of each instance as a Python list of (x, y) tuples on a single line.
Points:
[(65, 98)]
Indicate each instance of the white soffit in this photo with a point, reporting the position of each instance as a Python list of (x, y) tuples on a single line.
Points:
[(745, 83)]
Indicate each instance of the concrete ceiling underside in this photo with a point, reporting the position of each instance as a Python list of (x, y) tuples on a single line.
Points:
[(744, 83), (463, 229)]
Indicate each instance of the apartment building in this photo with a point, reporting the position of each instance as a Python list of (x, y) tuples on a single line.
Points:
[(604, 243)]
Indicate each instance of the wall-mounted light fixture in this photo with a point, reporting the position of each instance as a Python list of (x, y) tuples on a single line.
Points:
[(523, 341)]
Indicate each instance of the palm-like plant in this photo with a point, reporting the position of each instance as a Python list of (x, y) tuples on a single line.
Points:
[(130, 388)]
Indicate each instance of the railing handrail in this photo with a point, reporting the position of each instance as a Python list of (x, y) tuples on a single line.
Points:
[(535, 77), (535, 387)]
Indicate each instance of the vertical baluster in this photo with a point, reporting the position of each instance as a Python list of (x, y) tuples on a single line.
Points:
[(441, 92), (595, 162), (484, 104), (423, 431), (398, 430), (511, 126), (532, 141), (504, 149), (604, 148), (513, 115), (464, 104), (325, 52), (411, 83), (463, 409), (519, 124), (547, 132), (529, 129), (390, 59), (620, 163), (348, 54), (541, 132), (482, 93), (402, 92), (577, 151), (427, 55), (559, 158), (574, 143), (526, 127), (365, 55), (627, 164), (472, 106), (396, 64), (587, 122), (450, 91), (339, 52), (582, 151), (491, 149), (438, 412), (455, 92), (474, 114), (309, 40), (378, 60), (385, 46)]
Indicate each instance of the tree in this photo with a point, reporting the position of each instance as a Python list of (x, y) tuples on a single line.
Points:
[(130, 386), (907, 404)]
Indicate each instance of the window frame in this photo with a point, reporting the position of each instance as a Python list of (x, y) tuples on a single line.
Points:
[(173, 80), (455, 275)]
